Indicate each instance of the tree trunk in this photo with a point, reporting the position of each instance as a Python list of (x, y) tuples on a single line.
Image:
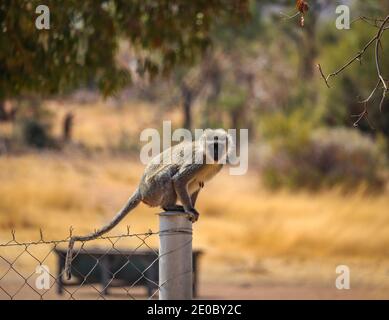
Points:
[(236, 122), (308, 53), (3, 112), (187, 96), (248, 109), (309, 49), (68, 127)]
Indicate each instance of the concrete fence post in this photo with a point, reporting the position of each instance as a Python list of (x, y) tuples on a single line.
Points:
[(175, 256)]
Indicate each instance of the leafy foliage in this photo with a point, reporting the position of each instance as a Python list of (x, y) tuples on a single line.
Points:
[(81, 45)]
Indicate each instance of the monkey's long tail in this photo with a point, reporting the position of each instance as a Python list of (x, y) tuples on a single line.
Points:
[(132, 202)]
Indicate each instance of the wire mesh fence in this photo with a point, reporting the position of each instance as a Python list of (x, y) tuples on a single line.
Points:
[(120, 267)]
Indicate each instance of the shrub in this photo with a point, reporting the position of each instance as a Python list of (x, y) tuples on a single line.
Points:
[(33, 124), (34, 133), (324, 158)]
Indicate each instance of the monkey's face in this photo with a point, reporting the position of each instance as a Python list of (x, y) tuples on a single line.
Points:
[(217, 143)]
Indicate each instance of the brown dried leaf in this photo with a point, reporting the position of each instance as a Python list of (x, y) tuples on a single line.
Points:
[(302, 6)]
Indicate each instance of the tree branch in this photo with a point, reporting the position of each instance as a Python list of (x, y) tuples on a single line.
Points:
[(382, 27)]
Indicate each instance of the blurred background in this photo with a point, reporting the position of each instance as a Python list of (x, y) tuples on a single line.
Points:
[(74, 99)]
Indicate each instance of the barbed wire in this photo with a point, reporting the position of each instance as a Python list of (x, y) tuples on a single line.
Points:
[(96, 269)]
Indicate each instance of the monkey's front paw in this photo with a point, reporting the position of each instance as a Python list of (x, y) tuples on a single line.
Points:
[(193, 215)]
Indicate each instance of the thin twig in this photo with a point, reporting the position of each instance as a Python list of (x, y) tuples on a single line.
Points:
[(377, 62), (372, 93), (377, 46), (383, 99), (287, 17), (323, 76), (360, 117), (355, 58), (363, 114), (369, 20)]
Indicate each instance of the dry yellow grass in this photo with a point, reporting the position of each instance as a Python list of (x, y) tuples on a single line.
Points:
[(101, 126), (243, 228), (246, 231)]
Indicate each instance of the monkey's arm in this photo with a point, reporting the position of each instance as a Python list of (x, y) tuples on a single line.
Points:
[(194, 197), (180, 181)]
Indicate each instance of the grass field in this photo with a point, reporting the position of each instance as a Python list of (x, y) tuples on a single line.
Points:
[(250, 236)]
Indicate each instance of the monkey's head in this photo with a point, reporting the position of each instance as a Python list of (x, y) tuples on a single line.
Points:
[(218, 145)]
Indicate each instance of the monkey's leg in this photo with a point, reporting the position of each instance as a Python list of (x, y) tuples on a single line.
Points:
[(170, 198), (180, 182), (177, 207)]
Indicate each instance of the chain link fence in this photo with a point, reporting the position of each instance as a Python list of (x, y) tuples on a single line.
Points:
[(100, 269), (124, 266)]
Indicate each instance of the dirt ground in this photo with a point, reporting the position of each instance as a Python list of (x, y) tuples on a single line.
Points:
[(207, 291), (266, 292)]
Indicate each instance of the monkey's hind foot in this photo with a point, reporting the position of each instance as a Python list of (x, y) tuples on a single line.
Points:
[(193, 215), (174, 208)]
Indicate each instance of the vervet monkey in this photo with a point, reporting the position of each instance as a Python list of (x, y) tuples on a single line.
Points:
[(178, 173)]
